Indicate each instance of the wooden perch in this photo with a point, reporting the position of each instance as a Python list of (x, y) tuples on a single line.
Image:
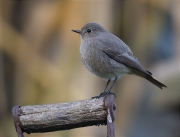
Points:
[(63, 116)]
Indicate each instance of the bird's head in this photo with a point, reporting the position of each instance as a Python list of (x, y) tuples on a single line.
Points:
[(90, 30)]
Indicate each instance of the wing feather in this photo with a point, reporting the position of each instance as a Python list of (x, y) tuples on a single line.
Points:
[(126, 58)]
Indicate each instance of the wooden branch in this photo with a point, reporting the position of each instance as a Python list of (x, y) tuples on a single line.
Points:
[(63, 116)]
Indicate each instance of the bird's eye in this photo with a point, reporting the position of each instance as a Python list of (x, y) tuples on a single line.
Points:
[(88, 30)]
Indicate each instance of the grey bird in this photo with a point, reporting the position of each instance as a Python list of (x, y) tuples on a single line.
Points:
[(108, 57)]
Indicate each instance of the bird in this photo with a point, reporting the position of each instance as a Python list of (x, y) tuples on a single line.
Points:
[(108, 57)]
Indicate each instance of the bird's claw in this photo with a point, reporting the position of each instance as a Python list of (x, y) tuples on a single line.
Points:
[(104, 94)]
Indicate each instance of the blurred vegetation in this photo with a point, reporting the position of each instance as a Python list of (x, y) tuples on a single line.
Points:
[(40, 62)]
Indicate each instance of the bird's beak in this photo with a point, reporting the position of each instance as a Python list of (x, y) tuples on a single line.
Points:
[(77, 31)]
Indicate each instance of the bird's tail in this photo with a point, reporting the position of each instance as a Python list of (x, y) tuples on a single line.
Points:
[(155, 81)]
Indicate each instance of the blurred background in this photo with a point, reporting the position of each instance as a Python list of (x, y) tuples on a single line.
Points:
[(40, 62)]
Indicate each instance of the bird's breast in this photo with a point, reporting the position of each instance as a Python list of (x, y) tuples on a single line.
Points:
[(99, 63)]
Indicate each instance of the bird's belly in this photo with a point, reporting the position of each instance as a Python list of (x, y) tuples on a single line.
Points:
[(105, 68)]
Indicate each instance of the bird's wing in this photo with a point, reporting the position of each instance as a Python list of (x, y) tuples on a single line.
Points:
[(127, 59)]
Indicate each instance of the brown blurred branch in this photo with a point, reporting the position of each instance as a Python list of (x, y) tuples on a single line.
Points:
[(16, 46)]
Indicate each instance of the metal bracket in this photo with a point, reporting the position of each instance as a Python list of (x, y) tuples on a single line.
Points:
[(15, 112), (110, 108)]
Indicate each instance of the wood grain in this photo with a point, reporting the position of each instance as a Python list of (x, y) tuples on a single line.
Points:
[(62, 116)]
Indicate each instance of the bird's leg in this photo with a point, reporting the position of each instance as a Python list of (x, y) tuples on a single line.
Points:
[(108, 92), (106, 85), (104, 92)]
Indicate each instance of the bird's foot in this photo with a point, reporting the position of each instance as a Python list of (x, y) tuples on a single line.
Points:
[(104, 94)]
